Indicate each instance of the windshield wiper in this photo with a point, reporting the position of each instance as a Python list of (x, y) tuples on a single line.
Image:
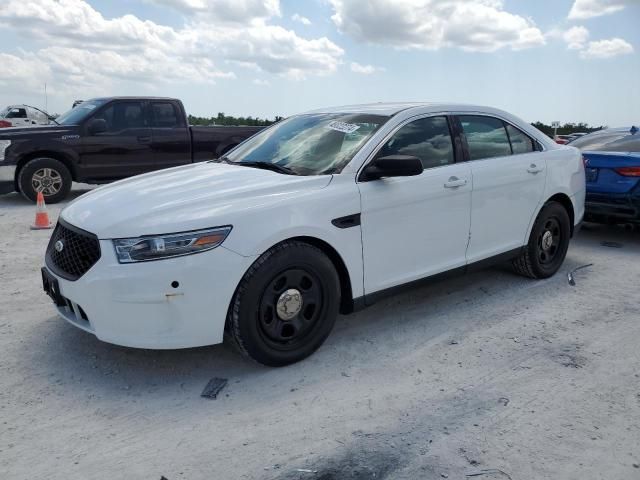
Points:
[(274, 167)]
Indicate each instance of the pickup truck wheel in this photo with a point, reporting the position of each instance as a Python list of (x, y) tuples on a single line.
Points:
[(46, 175), (286, 304), (548, 243)]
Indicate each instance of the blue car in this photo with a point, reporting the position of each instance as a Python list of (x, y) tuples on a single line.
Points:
[(612, 168)]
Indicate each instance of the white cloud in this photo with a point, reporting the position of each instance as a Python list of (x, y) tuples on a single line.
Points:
[(79, 46), (365, 69), (241, 11), (583, 9), (472, 25), (299, 18), (576, 37), (607, 48)]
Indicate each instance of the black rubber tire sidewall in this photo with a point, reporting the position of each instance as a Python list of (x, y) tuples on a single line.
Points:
[(247, 299), (32, 166), (556, 210)]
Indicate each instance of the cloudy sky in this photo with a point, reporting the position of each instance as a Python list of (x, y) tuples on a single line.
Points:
[(567, 60)]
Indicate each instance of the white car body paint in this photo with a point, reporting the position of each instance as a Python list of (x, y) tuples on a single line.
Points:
[(411, 227)]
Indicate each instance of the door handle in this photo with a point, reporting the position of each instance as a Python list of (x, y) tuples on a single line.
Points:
[(455, 182), (144, 139), (533, 168)]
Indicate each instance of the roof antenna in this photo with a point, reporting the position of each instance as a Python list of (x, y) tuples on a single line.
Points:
[(46, 103)]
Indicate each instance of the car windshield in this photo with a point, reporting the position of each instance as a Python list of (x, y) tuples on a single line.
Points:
[(614, 141), (312, 144), (77, 114), (4, 111)]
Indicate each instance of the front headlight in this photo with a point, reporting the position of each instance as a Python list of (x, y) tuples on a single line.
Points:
[(4, 144), (157, 247)]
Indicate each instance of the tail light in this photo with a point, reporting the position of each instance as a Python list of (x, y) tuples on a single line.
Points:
[(5, 124), (628, 171)]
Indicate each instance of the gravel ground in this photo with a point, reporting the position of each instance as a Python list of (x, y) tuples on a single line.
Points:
[(487, 374)]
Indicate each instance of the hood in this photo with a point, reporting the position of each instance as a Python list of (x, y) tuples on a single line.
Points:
[(15, 133), (184, 198)]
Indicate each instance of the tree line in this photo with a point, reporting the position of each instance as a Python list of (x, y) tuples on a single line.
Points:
[(567, 128), (230, 120)]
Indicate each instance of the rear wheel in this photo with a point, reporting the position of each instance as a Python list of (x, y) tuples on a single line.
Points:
[(286, 304), (46, 175), (548, 243)]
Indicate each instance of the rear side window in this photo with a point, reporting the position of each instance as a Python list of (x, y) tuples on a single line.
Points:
[(428, 139), (486, 137), (164, 115), (520, 143)]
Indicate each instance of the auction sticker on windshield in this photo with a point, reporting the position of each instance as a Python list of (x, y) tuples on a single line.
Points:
[(343, 127)]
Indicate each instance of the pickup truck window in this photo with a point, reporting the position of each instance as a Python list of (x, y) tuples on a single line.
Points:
[(164, 115), (312, 144), (78, 114), (122, 115)]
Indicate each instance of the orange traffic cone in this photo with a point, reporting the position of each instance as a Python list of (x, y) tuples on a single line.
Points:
[(42, 217)]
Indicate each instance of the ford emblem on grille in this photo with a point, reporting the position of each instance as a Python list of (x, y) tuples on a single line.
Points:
[(59, 246)]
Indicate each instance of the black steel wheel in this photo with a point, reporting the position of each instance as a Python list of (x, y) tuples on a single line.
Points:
[(286, 304), (46, 175), (548, 243)]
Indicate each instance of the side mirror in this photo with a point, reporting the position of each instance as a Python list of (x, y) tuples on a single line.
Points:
[(97, 125), (393, 166)]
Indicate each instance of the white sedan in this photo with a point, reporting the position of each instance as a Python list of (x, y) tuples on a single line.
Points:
[(323, 213)]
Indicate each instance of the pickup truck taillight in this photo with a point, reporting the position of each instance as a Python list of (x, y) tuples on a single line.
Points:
[(628, 171)]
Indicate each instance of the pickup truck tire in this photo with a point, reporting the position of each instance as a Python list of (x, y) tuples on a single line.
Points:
[(548, 243), (48, 175), (286, 304)]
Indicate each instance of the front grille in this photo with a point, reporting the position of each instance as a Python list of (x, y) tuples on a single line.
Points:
[(80, 251)]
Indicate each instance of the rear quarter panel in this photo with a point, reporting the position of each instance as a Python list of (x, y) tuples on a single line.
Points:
[(565, 174)]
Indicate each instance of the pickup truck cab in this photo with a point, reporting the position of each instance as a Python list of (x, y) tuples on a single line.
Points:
[(107, 139)]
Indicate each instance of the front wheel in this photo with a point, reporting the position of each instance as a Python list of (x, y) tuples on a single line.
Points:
[(286, 304), (46, 175), (548, 243)]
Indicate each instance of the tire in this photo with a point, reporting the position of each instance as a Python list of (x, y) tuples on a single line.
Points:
[(55, 179), (267, 321), (548, 243)]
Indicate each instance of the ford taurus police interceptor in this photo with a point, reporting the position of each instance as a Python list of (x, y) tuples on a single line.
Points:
[(323, 213)]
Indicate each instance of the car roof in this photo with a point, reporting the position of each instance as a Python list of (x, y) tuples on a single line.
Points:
[(606, 131), (128, 98), (392, 108)]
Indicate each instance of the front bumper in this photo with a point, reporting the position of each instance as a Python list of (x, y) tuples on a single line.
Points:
[(603, 207), (7, 178), (135, 305)]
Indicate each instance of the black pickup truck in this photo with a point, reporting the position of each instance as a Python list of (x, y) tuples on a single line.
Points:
[(106, 139)]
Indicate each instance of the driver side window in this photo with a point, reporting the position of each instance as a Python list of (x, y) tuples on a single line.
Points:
[(429, 139)]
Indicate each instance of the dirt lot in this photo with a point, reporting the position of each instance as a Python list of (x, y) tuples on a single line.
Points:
[(488, 374)]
